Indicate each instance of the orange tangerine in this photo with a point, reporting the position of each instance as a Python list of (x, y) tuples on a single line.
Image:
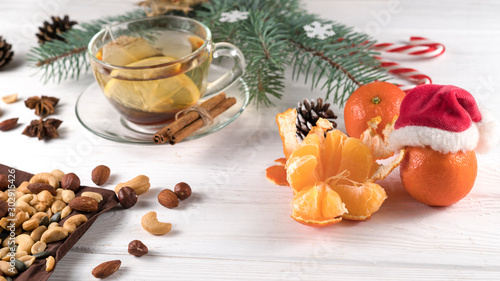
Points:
[(331, 174)]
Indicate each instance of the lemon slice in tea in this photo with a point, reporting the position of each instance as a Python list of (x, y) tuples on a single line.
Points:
[(150, 92)]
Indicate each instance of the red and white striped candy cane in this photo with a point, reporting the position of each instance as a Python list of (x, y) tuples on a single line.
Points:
[(409, 74), (418, 46)]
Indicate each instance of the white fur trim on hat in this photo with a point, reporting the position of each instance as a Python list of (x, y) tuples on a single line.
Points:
[(489, 131), (438, 139)]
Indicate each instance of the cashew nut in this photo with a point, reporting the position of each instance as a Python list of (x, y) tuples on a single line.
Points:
[(7, 269), (24, 242), (66, 212), (151, 224), (40, 207), (72, 223), (4, 251), (49, 212), (20, 254), (39, 216), (57, 206), (58, 174), (46, 197), (21, 216), (54, 234), (25, 198), (30, 224), (28, 260), (18, 194), (49, 265), (4, 222), (140, 184), (23, 187), (67, 195), (45, 178), (38, 247), (25, 207), (59, 193), (37, 233), (53, 224), (95, 195)]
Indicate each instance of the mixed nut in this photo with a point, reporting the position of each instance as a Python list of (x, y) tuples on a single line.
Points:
[(40, 204), (47, 198)]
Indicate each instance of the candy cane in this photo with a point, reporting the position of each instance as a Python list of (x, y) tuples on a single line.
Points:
[(409, 74), (418, 46)]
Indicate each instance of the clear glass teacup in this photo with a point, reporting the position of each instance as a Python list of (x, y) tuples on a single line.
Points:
[(149, 69)]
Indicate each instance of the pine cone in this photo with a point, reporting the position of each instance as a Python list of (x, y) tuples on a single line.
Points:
[(52, 31), (308, 114), (5, 53)]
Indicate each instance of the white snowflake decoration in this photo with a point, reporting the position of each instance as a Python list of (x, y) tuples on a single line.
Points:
[(318, 30), (233, 16)]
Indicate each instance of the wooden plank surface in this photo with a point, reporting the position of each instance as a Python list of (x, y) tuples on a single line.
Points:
[(237, 225)]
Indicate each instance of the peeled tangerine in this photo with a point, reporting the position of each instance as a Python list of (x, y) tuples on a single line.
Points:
[(332, 175)]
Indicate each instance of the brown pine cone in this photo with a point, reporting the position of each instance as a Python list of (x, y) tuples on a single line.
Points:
[(52, 31), (6, 53), (308, 114)]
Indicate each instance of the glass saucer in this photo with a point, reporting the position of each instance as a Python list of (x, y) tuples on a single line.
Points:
[(97, 115)]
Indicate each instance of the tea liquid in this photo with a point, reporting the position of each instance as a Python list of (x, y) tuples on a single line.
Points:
[(154, 95)]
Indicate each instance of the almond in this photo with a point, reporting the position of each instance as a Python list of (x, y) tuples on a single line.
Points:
[(106, 269), (8, 124), (38, 187), (100, 174), (84, 204), (168, 198)]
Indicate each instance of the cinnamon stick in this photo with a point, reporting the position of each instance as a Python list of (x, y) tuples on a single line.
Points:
[(167, 132), (191, 128)]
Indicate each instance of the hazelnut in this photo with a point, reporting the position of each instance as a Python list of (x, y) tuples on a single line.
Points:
[(182, 190), (70, 181), (168, 198), (127, 197), (100, 174), (137, 248)]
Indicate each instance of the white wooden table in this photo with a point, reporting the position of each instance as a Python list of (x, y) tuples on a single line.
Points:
[(237, 225)]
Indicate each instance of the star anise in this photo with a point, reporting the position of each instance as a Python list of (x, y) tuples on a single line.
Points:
[(43, 106), (43, 129)]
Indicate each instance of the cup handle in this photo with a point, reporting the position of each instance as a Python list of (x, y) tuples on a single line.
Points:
[(228, 78)]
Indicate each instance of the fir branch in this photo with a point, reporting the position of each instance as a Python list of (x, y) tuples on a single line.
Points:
[(51, 60), (272, 38), (60, 60), (329, 60)]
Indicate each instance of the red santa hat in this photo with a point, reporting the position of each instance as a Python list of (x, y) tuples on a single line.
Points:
[(446, 118)]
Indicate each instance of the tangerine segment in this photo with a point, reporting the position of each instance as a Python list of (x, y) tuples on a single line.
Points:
[(356, 160), (277, 175), (309, 146), (288, 130), (301, 172), (361, 200), (331, 153), (317, 206)]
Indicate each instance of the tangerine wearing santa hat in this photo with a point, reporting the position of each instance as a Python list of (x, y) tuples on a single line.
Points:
[(446, 118)]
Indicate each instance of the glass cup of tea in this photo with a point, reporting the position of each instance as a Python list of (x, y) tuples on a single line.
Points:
[(150, 69)]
